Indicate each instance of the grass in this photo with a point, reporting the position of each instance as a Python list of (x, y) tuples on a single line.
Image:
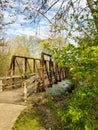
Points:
[(26, 121), (36, 117), (40, 113)]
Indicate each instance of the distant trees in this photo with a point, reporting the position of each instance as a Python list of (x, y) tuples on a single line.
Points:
[(20, 45), (28, 45), (5, 55), (48, 45)]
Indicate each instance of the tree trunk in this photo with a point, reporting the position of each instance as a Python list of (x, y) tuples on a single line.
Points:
[(92, 9)]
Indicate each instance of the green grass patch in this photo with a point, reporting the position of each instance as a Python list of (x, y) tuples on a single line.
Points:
[(35, 117), (27, 121)]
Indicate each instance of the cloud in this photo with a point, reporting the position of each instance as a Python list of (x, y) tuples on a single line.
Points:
[(83, 3), (25, 31), (15, 25), (30, 29), (8, 17), (44, 32), (44, 23), (20, 31), (15, 29), (21, 19)]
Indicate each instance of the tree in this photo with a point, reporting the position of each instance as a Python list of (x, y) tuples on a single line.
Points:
[(28, 44), (80, 110), (93, 6), (76, 20), (71, 16), (5, 56), (48, 45)]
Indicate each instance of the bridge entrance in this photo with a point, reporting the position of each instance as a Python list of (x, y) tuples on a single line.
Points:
[(35, 75)]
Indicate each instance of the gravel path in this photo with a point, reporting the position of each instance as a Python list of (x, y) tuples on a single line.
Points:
[(8, 115)]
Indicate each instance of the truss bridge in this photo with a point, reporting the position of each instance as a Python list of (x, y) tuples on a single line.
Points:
[(32, 74)]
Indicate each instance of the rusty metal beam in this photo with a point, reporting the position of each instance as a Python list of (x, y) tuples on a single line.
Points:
[(25, 57), (46, 54)]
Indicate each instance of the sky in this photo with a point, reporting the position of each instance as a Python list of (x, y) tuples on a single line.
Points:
[(27, 27), (23, 27)]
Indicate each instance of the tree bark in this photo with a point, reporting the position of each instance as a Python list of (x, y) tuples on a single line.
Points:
[(92, 9)]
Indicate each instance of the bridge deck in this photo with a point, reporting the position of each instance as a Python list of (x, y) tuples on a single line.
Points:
[(12, 96)]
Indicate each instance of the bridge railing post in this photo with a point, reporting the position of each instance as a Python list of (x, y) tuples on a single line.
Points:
[(1, 86), (25, 91), (42, 71), (50, 71), (34, 65), (54, 73), (13, 70), (24, 68)]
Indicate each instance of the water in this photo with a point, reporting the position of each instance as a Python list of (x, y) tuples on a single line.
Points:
[(60, 88)]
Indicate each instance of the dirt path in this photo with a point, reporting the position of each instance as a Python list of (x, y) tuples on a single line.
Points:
[(10, 107), (8, 115), (12, 96)]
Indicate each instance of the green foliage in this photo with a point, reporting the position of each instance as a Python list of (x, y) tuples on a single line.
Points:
[(23, 43), (24, 52), (82, 62), (80, 110), (44, 45), (47, 45)]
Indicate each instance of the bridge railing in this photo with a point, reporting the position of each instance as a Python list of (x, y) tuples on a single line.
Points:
[(48, 71), (10, 82), (21, 65), (30, 86)]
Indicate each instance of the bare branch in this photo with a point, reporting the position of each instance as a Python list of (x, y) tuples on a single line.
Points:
[(51, 6)]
